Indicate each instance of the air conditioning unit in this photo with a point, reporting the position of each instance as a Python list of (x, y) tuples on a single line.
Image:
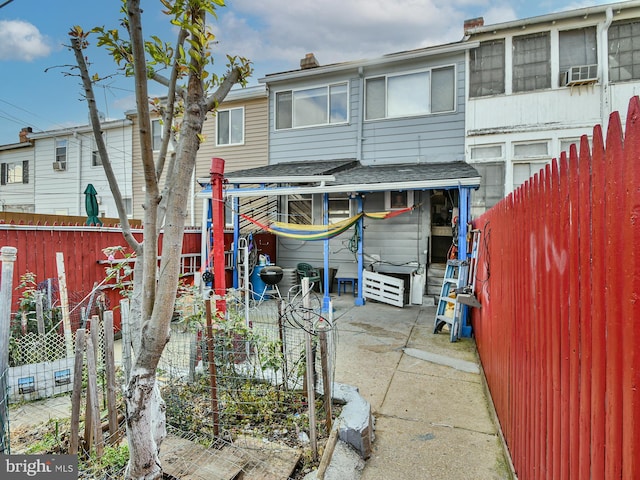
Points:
[(59, 166), (582, 75)]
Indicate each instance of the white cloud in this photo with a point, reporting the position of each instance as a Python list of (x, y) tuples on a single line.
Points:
[(342, 30), (21, 40)]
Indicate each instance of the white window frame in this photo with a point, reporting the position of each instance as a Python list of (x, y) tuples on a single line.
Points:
[(305, 197), (156, 134), (301, 92), (61, 151), (482, 159), (429, 108), (629, 68), (337, 215), (389, 205), (10, 175), (483, 72), (535, 162), (526, 75), (230, 120), (565, 143)]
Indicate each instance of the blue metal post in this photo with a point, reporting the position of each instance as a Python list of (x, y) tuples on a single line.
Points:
[(359, 224), (464, 217), (236, 238), (326, 300)]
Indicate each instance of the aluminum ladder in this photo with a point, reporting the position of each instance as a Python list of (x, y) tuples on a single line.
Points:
[(449, 310)]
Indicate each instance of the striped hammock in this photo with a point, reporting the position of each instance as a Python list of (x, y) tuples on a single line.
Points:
[(320, 232)]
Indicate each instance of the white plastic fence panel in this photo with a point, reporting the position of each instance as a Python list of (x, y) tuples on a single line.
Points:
[(383, 288)]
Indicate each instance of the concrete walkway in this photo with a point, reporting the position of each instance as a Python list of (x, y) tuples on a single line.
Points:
[(432, 416)]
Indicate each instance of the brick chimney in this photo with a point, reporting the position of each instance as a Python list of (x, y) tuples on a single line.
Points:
[(473, 23), (309, 61), (24, 133)]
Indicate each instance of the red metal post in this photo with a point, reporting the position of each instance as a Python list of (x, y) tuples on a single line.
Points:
[(217, 225)]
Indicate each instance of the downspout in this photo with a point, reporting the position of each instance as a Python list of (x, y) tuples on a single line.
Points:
[(605, 101), (192, 207), (78, 138), (361, 115)]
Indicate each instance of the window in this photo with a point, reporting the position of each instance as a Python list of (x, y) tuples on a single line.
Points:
[(491, 188), (565, 145), (577, 48), (529, 150), (128, 206), (312, 106), (531, 65), (230, 126), (486, 151), (397, 199), (486, 69), (156, 134), (300, 209), (418, 93), (61, 153), (624, 51), (339, 207), (522, 171), (15, 172), (96, 159)]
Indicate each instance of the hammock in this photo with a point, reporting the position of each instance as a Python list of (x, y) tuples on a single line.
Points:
[(320, 232)]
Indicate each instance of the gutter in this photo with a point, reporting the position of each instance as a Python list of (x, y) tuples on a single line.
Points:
[(581, 12), (391, 58), (359, 187)]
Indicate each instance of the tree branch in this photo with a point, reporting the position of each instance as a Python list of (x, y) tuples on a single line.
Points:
[(76, 45)]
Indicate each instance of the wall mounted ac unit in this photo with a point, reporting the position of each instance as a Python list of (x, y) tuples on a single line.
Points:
[(582, 75), (59, 166)]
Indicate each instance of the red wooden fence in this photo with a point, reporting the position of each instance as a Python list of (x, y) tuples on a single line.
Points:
[(82, 249), (559, 329)]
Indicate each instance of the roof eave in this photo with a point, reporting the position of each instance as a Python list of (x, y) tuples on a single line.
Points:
[(471, 182), (391, 58)]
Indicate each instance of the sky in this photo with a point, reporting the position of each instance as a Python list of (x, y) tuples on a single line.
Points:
[(37, 89)]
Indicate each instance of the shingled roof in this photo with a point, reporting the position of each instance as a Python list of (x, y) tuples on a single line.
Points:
[(347, 175)]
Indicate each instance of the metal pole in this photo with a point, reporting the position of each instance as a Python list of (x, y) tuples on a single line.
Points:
[(217, 224), (8, 257), (311, 397), (213, 377)]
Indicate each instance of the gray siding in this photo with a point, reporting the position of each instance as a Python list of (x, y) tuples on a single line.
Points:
[(426, 138)]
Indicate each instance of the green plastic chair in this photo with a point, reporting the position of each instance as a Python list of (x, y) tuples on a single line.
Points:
[(307, 271)]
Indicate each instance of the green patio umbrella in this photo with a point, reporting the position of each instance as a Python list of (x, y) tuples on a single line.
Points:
[(91, 204)]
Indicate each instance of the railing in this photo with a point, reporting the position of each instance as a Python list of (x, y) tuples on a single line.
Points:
[(559, 283)]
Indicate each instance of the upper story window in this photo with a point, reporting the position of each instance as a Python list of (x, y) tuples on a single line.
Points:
[(486, 69), (14, 172), (531, 62), (156, 134), (417, 93), (311, 106), (624, 45), (578, 55), (61, 152), (96, 159), (230, 125)]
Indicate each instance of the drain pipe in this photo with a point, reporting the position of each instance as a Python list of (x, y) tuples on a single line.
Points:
[(361, 115), (605, 91)]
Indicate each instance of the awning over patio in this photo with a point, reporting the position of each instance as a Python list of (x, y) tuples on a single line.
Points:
[(344, 176)]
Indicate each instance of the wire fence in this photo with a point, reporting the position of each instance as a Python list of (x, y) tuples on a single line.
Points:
[(243, 391)]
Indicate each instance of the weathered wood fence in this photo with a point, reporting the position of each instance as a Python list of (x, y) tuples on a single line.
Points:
[(558, 331)]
